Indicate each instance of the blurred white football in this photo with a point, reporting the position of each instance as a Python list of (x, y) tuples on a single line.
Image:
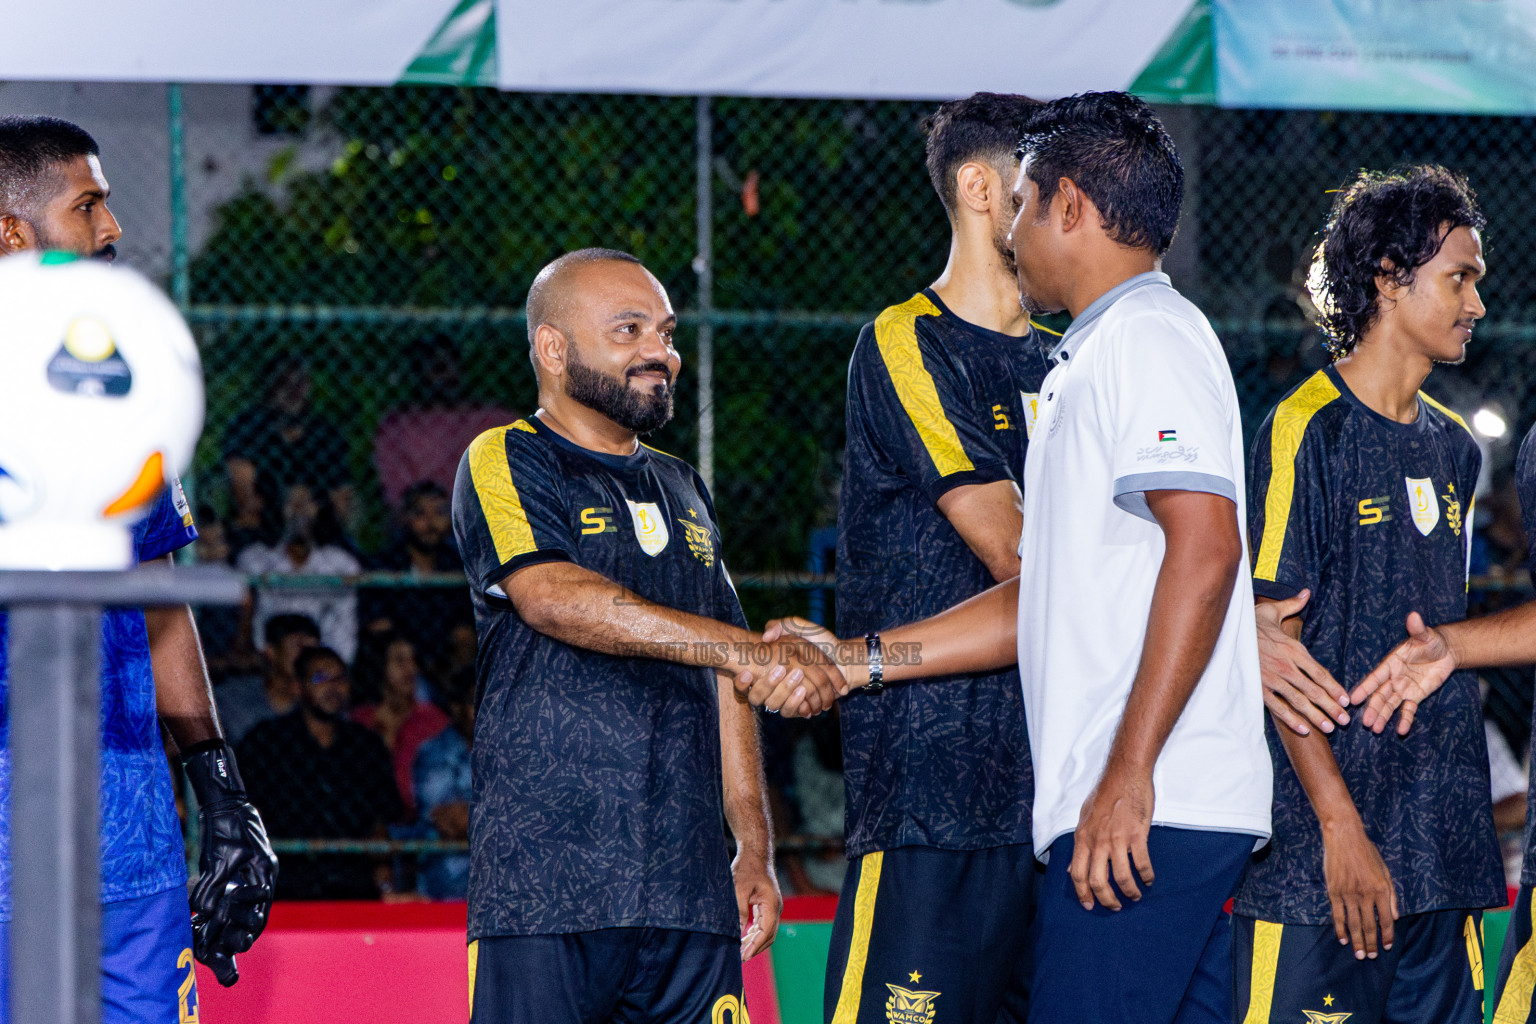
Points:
[(101, 400)]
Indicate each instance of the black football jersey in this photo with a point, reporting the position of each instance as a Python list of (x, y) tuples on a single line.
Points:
[(597, 780), (934, 403), (1373, 516)]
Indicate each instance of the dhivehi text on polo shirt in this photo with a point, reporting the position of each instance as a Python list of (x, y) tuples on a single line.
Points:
[(596, 778), (1375, 518), (1141, 399)]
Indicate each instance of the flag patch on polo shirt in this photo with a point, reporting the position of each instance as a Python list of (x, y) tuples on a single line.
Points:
[(1167, 435)]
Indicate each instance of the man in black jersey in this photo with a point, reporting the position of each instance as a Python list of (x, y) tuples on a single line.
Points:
[(1418, 667), (1368, 901), (600, 886), (941, 401)]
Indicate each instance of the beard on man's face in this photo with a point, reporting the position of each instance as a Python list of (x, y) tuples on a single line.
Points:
[(48, 242), (639, 412), (1004, 246)]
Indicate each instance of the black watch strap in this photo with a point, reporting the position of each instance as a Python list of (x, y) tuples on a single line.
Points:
[(876, 658)]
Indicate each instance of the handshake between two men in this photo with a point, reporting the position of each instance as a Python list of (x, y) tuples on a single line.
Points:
[(800, 668)]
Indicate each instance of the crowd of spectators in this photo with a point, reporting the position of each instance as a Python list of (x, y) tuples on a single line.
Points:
[(351, 708)]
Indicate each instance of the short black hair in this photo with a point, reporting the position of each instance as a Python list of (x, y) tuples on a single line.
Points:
[(304, 664), (281, 627), (1113, 147), (1383, 223), (983, 127), (31, 150)]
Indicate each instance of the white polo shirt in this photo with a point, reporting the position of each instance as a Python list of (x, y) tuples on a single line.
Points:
[(1140, 399)]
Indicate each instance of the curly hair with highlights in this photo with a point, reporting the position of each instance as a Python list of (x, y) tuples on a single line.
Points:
[(1384, 224)]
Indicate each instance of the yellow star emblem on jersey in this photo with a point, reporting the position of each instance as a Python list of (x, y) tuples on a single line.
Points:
[(914, 977), (691, 512), (1328, 1000)]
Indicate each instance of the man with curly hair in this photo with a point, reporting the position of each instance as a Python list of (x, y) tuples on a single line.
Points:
[(1368, 902)]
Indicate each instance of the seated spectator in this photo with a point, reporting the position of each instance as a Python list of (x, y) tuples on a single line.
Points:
[(315, 774), (423, 441), (425, 546), (245, 701), (443, 791), (308, 547), (404, 715), (285, 440)]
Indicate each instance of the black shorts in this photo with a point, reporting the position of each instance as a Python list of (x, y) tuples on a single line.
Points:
[(1512, 998), (624, 975), (920, 929), (1433, 974)]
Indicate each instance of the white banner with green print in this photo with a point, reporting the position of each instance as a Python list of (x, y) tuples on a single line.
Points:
[(878, 49), (921, 49)]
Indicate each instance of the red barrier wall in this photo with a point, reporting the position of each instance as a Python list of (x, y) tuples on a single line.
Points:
[(400, 963)]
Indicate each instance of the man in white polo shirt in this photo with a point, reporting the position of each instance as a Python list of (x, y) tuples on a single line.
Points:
[(1132, 618)]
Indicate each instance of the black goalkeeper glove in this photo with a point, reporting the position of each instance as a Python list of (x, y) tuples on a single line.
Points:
[(237, 868)]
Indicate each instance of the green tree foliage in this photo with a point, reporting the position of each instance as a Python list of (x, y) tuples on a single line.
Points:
[(450, 200)]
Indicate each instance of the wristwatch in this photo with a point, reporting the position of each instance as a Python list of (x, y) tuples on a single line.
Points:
[(876, 663)]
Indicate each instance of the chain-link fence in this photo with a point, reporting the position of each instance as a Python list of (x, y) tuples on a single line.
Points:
[(358, 300)]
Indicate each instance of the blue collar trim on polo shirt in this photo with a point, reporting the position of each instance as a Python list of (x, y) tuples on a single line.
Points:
[(1073, 339)]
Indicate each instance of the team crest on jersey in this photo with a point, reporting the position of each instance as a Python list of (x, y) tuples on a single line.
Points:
[(908, 1007), (700, 541), (1452, 509), (1423, 504), (1031, 406), (650, 526), (1318, 1017)]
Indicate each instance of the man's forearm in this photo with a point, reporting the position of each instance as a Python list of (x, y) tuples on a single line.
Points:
[(1503, 638), (978, 635), (1318, 772), (183, 695), (746, 791), (585, 609), (1189, 605)]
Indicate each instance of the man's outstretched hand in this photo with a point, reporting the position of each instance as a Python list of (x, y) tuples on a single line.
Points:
[(1297, 689), (1412, 671)]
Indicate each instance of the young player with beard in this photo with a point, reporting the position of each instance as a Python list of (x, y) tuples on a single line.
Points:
[(941, 401), (1367, 904), (599, 883), (53, 195)]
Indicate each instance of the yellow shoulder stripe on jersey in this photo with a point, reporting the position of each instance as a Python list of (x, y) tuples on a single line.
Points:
[(658, 451), (1266, 964), (1448, 412), (499, 501), (1290, 425), (474, 962), (1515, 1003), (524, 426), (852, 989), (1041, 327), (896, 336)]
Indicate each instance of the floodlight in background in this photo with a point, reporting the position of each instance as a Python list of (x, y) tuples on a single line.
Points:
[(1489, 423)]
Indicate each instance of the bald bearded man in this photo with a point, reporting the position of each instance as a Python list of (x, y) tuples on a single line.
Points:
[(600, 886)]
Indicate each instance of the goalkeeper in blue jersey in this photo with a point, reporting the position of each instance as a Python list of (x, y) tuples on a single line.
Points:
[(53, 195)]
